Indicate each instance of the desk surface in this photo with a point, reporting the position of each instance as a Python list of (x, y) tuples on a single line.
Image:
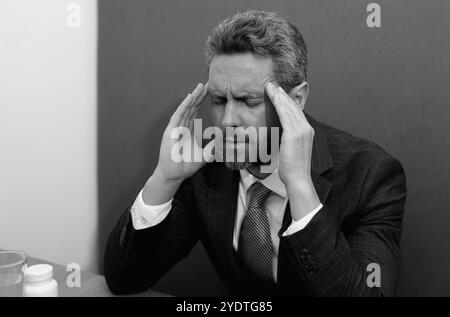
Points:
[(92, 285)]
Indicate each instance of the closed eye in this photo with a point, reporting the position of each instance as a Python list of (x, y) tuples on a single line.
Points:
[(253, 102), (219, 100)]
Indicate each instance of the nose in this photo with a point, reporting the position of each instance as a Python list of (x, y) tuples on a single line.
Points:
[(231, 115)]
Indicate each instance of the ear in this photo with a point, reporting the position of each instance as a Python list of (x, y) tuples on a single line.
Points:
[(299, 94)]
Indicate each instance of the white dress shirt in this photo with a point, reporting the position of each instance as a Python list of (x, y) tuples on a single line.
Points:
[(145, 216)]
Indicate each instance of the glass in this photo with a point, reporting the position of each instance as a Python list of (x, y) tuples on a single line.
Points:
[(12, 268)]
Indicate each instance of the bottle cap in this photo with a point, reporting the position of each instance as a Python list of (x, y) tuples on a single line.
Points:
[(38, 273)]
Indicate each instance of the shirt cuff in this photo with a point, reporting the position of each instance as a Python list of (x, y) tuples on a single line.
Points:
[(301, 223), (145, 216)]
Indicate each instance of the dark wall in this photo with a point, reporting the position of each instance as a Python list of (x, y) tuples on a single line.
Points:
[(389, 84)]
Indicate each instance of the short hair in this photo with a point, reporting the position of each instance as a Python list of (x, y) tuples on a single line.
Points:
[(264, 34)]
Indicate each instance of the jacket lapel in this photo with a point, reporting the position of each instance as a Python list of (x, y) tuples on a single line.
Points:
[(221, 212), (223, 195)]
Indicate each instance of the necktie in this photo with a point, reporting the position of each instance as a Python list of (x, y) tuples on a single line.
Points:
[(255, 243)]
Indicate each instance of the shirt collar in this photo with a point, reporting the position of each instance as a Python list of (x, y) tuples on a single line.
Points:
[(272, 182)]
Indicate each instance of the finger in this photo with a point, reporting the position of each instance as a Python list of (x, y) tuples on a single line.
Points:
[(292, 105), (177, 116), (279, 105), (296, 115), (198, 96), (198, 90), (191, 121), (300, 119), (270, 90), (194, 110), (195, 93)]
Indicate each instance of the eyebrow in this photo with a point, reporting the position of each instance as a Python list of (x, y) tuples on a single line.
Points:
[(246, 95)]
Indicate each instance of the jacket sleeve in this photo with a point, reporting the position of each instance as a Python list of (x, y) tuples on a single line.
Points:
[(135, 260), (333, 264)]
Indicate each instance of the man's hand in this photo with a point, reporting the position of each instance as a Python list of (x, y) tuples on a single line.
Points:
[(183, 117), (295, 153), (169, 174)]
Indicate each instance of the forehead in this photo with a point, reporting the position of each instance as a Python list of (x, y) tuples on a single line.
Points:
[(239, 73)]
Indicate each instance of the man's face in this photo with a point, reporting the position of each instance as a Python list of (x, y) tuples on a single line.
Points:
[(236, 86)]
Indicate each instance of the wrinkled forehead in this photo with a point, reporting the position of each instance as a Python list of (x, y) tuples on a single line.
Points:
[(239, 74)]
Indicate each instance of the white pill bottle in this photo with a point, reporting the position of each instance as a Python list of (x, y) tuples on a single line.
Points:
[(39, 281)]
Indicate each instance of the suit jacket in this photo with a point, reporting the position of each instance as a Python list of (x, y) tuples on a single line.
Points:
[(362, 188)]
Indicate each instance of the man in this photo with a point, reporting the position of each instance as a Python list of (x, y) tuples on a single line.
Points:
[(316, 225)]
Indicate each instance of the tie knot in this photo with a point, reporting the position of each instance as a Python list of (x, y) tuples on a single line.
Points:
[(258, 194)]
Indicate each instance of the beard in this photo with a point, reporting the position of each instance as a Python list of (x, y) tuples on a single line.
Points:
[(237, 161), (238, 156), (235, 166)]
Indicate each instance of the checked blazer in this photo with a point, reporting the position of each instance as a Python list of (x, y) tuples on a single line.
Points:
[(362, 189)]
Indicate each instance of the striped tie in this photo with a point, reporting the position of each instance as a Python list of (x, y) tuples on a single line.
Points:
[(255, 242)]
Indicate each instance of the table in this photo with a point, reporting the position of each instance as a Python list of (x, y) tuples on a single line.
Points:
[(92, 285)]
